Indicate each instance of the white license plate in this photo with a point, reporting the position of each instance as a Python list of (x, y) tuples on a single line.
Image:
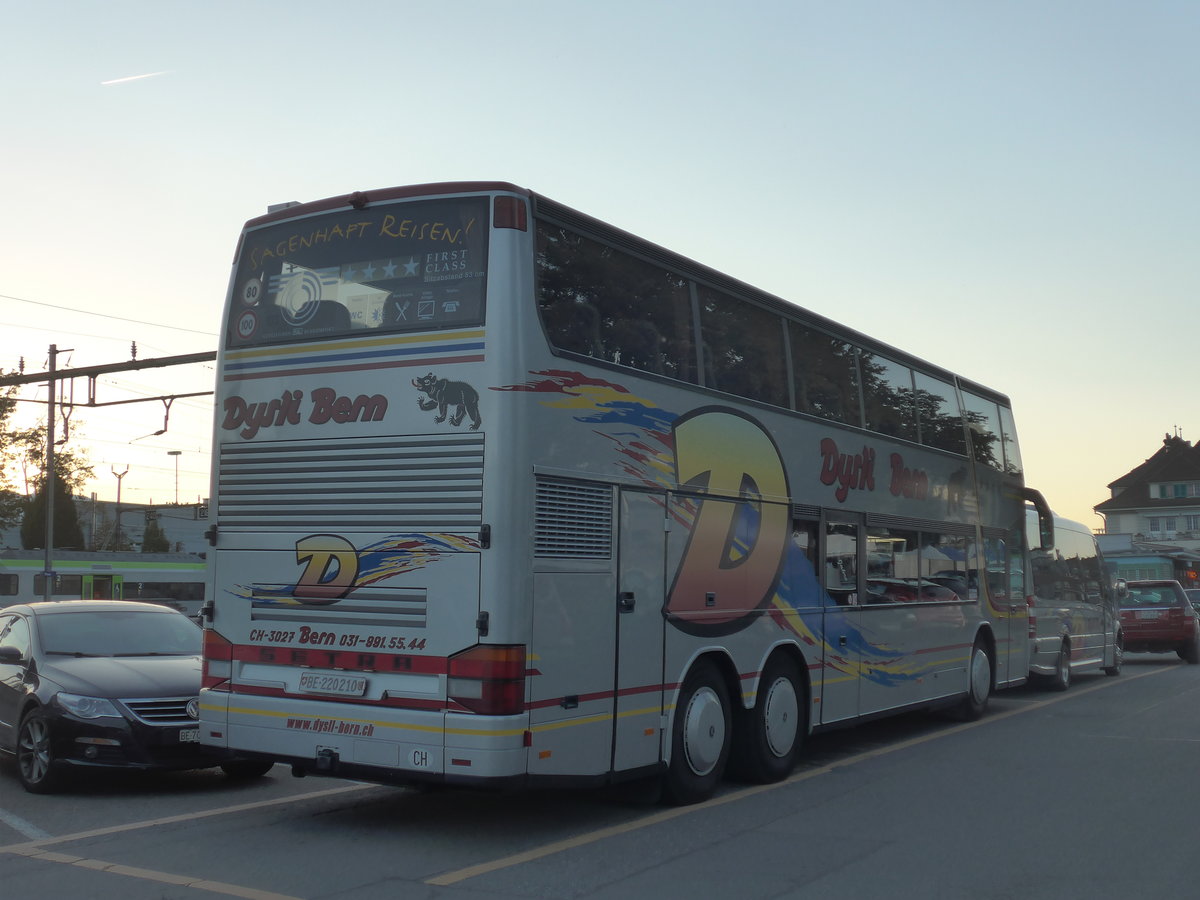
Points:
[(189, 735), (337, 685), (1148, 613)]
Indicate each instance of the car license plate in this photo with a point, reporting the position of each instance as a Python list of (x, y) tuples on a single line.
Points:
[(1148, 613), (189, 735), (337, 685)]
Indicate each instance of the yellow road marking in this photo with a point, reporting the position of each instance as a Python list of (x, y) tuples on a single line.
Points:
[(200, 884), (182, 817), (36, 849), (591, 837)]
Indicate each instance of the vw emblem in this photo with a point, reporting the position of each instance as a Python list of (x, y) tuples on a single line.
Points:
[(193, 708)]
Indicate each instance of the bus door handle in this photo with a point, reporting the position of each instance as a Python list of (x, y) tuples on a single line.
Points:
[(625, 601)]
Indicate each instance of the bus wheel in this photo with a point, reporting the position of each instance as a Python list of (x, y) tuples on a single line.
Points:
[(700, 736), (979, 683), (770, 735), (1061, 679)]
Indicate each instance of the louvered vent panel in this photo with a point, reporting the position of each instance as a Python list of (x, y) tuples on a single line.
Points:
[(385, 483), (573, 520)]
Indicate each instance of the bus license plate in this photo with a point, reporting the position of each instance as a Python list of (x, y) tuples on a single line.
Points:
[(189, 735), (338, 685)]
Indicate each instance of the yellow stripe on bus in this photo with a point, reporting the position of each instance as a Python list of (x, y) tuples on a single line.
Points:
[(239, 355)]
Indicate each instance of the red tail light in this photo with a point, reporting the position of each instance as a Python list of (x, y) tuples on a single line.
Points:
[(218, 661), (510, 212), (488, 679)]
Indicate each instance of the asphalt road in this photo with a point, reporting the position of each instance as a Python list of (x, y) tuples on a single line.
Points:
[(1089, 794)]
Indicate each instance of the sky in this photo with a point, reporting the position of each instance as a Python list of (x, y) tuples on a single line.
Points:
[(1008, 190)]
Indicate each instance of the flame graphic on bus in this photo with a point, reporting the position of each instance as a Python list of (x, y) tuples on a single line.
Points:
[(644, 440), (322, 583)]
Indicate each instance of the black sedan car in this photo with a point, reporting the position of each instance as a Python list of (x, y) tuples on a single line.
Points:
[(102, 683)]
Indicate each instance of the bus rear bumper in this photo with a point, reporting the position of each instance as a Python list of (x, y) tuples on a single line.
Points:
[(389, 746)]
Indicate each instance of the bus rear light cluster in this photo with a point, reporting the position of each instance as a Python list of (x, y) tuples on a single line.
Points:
[(1031, 603), (488, 679), (217, 666), (510, 212)]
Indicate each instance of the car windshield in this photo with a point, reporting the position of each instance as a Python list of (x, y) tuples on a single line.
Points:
[(1163, 595), (118, 633)]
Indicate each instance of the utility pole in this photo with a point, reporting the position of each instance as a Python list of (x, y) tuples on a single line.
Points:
[(48, 492), (117, 539), (175, 453)]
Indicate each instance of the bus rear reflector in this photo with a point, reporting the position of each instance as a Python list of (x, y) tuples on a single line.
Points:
[(218, 661), (509, 212), (488, 679)]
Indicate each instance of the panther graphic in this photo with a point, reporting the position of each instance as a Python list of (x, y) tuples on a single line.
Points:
[(442, 394)]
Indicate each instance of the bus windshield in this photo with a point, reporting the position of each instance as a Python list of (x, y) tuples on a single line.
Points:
[(391, 268)]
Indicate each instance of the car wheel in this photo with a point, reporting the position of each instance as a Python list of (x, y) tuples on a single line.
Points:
[(246, 769), (1191, 653), (769, 736), (700, 737), (979, 684), (35, 759), (1061, 679), (1118, 657)]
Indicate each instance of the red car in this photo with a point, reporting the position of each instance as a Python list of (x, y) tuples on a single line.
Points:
[(1156, 617)]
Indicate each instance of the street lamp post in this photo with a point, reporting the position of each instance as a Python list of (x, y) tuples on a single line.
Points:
[(175, 453), (118, 516)]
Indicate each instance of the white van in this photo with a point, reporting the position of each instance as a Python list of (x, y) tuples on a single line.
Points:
[(1073, 618)]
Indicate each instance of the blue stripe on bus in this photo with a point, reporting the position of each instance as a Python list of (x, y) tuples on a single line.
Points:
[(339, 357)]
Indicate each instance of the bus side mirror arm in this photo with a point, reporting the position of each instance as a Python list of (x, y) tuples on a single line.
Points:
[(210, 535), (1045, 519)]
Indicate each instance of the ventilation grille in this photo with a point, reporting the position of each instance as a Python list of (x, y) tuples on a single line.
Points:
[(386, 483), (573, 520)]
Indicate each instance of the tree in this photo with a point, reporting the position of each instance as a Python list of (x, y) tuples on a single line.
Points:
[(24, 450), (11, 502), (155, 540), (67, 533)]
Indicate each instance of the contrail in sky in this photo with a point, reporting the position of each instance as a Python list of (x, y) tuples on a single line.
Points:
[(132, 78)]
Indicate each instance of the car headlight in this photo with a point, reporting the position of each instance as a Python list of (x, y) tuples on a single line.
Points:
[(88, 707)]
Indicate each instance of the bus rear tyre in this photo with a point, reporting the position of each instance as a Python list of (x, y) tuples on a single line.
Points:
[(979, 684), (700, 737), (770, 735)]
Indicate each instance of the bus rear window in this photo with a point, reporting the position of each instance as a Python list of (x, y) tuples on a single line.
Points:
[(391, 268)]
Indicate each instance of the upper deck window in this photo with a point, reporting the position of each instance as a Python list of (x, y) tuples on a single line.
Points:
[(390, 268), (606, 304)]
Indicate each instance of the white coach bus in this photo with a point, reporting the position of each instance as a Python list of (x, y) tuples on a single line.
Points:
[(505, 495)]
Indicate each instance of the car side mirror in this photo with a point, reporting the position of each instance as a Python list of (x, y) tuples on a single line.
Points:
[(10, 654)]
